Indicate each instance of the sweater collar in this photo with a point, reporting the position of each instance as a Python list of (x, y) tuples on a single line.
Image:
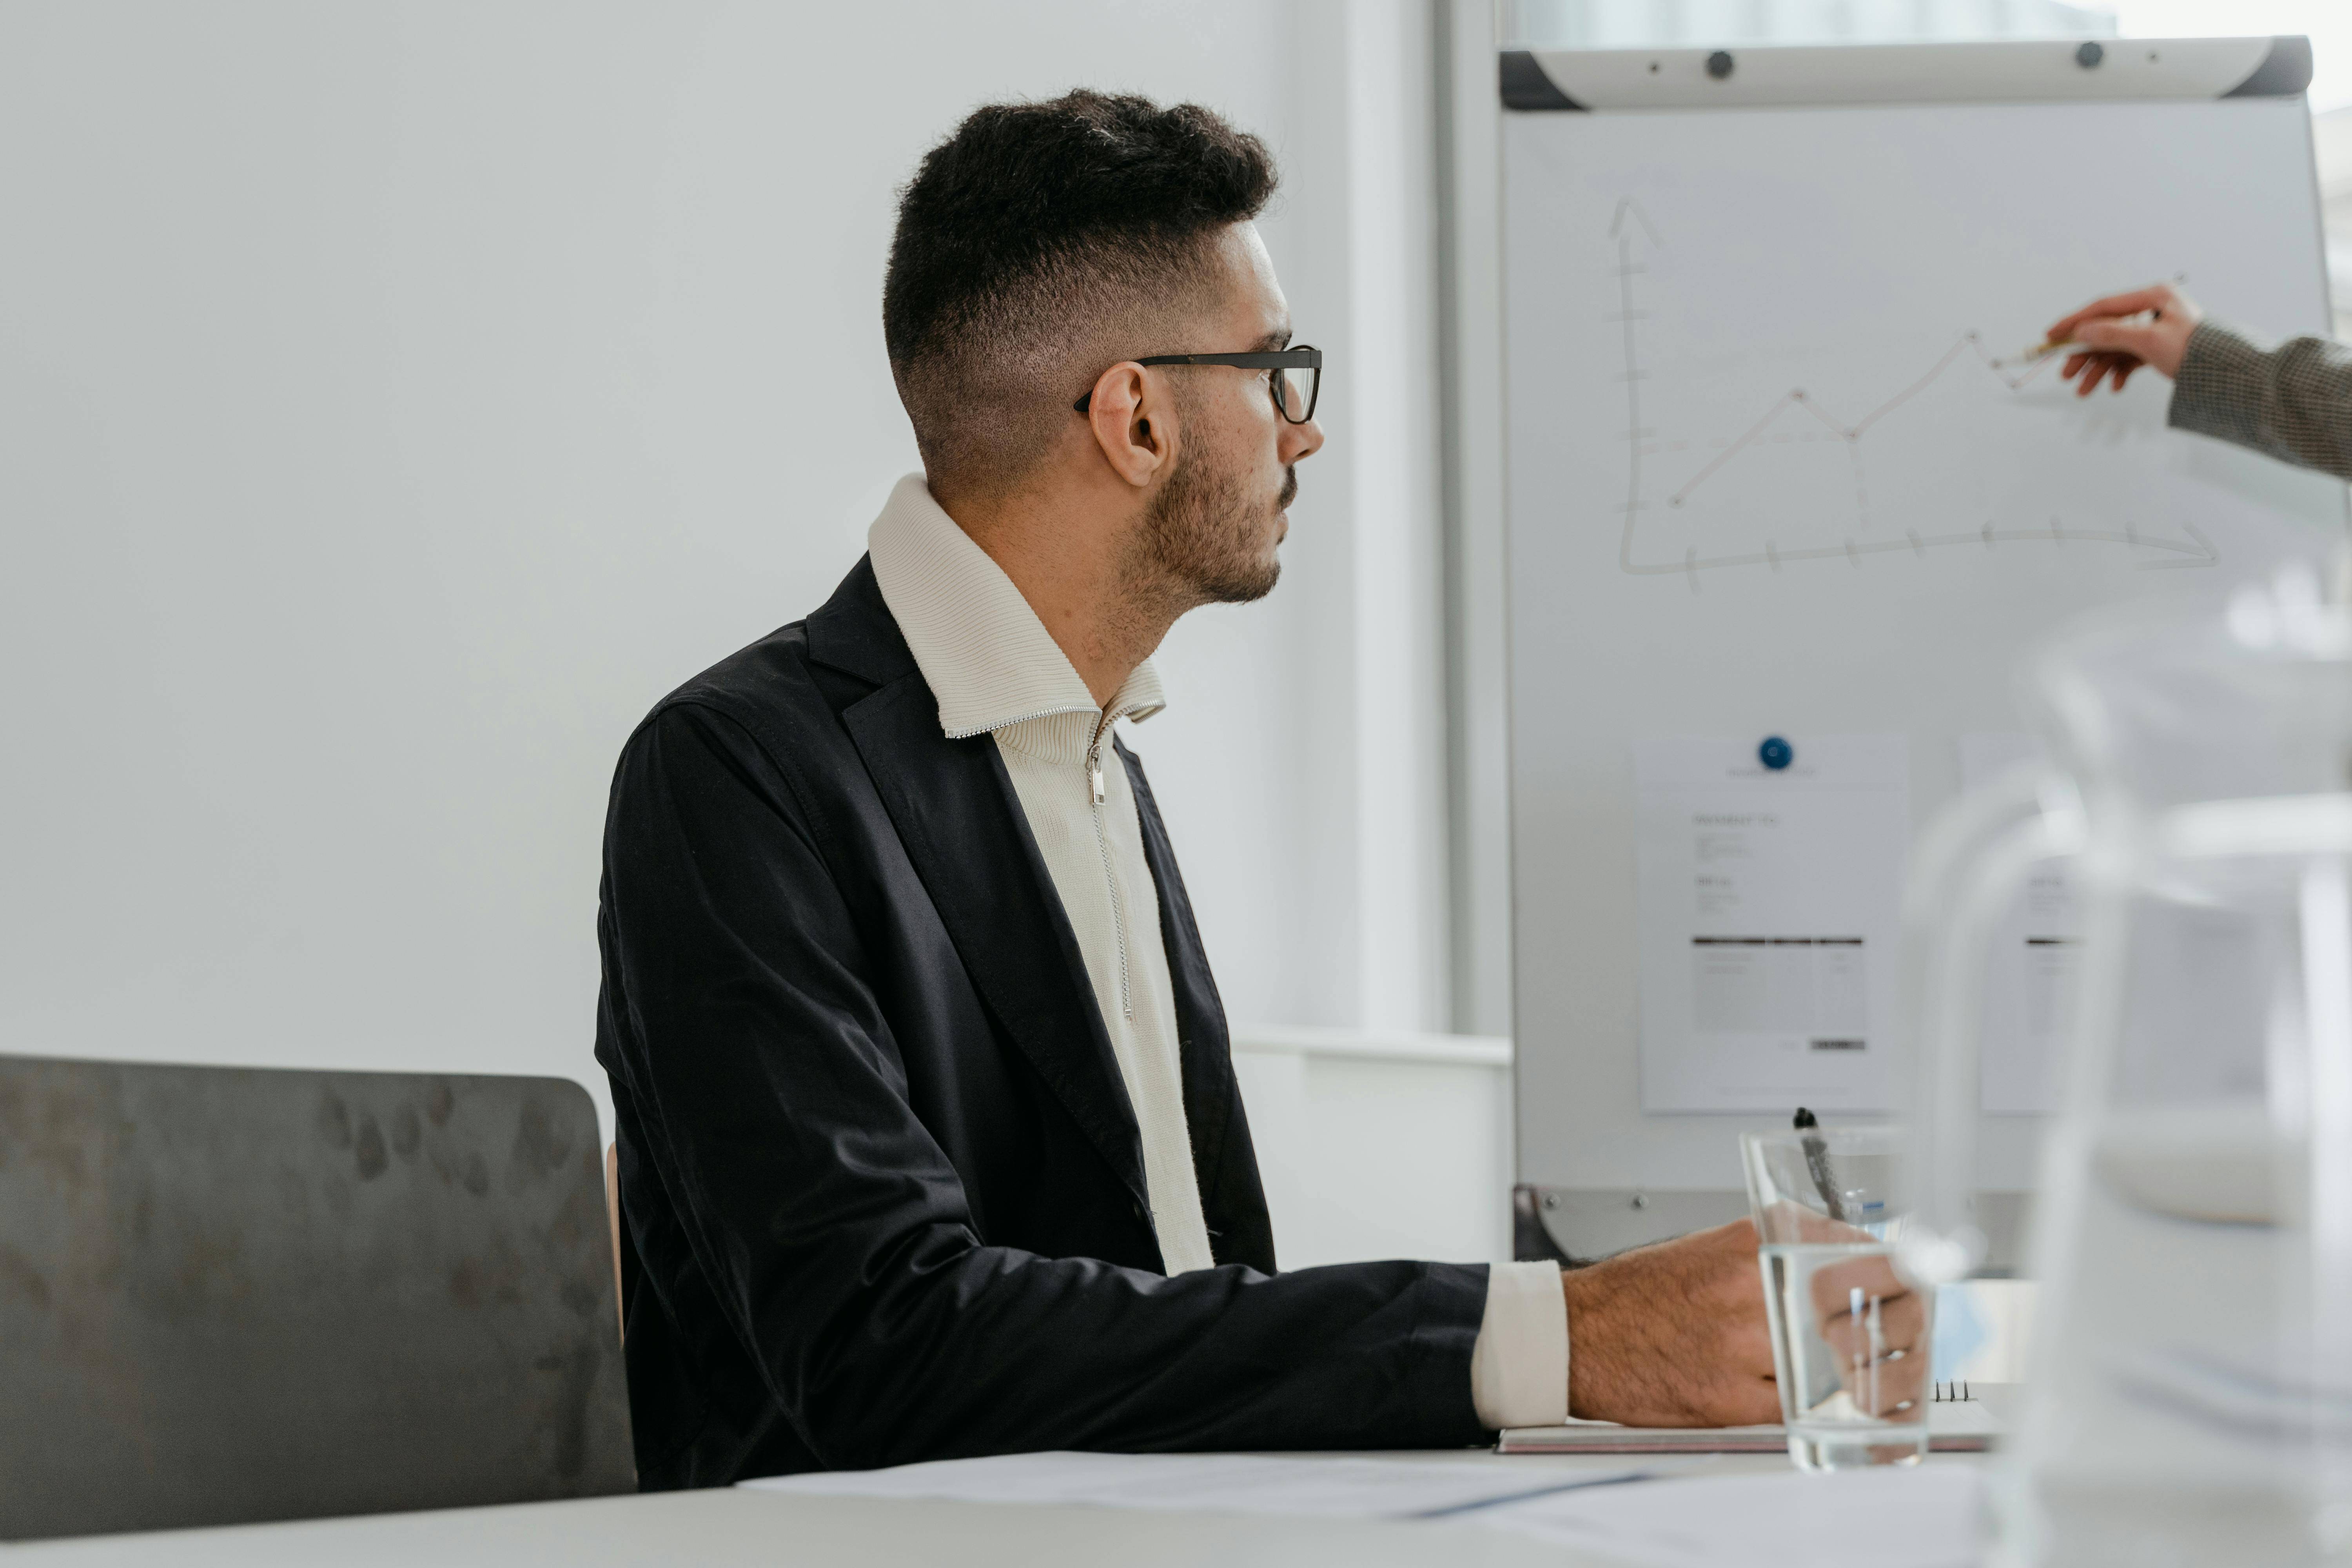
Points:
[(983, 651)]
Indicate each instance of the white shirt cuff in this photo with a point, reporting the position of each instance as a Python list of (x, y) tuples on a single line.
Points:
[(1518, 1368)]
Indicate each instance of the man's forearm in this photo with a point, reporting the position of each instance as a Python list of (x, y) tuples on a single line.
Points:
[(2293, 402)]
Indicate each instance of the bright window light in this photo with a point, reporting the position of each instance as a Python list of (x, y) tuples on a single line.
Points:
[(2327, 24)]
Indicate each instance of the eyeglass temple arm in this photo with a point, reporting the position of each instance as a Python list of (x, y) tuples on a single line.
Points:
[(1274, 359)]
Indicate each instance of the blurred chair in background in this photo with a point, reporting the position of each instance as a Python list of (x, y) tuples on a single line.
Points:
[(230, 1294)]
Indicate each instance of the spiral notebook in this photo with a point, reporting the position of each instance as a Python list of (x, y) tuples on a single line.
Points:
[(1963, 1418)]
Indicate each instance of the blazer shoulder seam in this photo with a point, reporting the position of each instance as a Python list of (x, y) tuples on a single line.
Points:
[(749, 718)]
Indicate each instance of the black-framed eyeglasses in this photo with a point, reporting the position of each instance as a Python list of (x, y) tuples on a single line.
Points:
[(1296, 383)]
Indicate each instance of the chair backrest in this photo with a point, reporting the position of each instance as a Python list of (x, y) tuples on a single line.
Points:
[(237, 1294)]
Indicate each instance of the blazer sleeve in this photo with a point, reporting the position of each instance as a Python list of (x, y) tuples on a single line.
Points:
[(835, 1233), (2293, 402)]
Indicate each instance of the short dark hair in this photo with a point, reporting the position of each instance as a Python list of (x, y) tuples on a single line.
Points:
[(1039, 234)]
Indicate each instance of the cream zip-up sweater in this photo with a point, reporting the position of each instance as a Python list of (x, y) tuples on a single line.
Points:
[(996, 671)]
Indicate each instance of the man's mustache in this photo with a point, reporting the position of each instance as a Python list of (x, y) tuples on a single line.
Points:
[(1289, 489)]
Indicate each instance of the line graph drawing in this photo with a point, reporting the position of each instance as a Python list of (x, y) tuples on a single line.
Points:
[(1798, 417), (1797, 398)]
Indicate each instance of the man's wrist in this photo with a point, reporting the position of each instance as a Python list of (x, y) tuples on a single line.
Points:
[(1569, 1307)]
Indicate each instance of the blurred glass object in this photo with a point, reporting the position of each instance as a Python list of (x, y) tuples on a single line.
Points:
[(1849, 1334), (2191, 1392)]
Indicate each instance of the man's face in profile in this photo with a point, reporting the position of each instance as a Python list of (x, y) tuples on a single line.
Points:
[(1219, 520)]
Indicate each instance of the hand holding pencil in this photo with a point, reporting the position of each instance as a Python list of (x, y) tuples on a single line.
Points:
[(2109, 339)]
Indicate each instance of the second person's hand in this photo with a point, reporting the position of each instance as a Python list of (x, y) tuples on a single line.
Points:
[(2111, 344)]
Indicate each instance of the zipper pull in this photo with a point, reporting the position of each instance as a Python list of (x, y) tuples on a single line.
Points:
[(1094, 777)]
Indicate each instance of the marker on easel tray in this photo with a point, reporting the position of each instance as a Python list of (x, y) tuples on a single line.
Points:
[(1775, 753)]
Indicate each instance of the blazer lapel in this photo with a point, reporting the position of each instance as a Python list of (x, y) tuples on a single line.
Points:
[(956, 814), (1232, 1194)]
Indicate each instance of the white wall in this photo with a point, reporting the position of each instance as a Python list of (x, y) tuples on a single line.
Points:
[(396, 400), (1380, 1144)]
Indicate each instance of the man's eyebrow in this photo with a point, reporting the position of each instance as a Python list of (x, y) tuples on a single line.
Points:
[(1277, 339)]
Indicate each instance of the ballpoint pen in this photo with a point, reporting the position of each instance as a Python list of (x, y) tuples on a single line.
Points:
[(1817, 1163)]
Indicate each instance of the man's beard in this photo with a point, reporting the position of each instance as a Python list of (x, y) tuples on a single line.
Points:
[(1203, 535)]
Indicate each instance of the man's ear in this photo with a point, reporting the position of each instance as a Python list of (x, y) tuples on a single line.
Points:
[(1134, 422)]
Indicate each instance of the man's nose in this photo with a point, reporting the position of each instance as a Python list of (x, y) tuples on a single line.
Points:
[(1301, 441)]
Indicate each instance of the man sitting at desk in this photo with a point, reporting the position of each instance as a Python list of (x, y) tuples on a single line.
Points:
[(930, 1142)]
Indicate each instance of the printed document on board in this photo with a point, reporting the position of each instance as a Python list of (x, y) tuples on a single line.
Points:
[(1770, 907)]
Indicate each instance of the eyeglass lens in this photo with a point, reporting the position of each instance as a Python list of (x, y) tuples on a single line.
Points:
[(1294, 393)]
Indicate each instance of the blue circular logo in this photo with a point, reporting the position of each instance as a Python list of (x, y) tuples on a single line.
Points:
[(1775, 754)]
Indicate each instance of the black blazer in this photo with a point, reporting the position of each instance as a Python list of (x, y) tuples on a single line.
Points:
[(882, 1191)]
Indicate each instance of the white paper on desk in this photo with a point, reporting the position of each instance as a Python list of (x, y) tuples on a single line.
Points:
[(1927, 1517), (1770, 907), (1211, 1483), (2030, 973)]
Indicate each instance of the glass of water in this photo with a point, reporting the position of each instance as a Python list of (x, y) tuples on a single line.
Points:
[(1851, 1335)]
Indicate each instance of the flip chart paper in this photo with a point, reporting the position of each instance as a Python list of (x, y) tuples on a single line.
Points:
[(1680, 517), (1770, 905)]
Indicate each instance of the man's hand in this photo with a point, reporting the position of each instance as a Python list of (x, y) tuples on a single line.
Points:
[(1672, 1335), (2115, 344)]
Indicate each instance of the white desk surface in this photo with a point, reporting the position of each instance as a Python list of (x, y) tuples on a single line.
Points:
[(727, 1527)]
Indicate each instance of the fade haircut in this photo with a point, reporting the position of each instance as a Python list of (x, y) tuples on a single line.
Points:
[(1042, 243)]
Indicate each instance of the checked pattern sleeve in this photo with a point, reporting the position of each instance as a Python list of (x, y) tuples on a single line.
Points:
[(2293, 402)]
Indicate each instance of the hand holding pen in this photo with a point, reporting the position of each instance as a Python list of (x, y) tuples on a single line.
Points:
[(1872, 1321), (2109, 339)]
